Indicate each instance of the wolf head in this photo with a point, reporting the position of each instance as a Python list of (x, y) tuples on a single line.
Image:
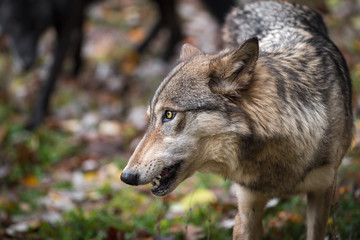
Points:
[(191, 126), (23, 21)]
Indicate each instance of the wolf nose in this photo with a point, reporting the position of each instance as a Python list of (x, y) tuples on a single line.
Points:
[(130, 178)]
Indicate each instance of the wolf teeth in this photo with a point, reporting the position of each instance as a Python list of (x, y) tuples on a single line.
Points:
[(157, 182)]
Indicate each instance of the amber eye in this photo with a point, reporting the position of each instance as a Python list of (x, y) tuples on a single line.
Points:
[(169, 115)]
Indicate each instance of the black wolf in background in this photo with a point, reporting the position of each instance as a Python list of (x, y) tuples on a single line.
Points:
[(24, 21), (168, 20)]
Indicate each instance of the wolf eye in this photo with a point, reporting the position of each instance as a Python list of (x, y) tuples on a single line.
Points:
[(169, 115)]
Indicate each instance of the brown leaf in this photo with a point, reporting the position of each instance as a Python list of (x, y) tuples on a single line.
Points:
[(31, 181), (284, 217), (129, 63), (137, 35)]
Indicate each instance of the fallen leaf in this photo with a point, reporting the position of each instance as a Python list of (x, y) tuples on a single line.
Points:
[(90, 176), (284, 217), (330, 221), (110, 128), (71, 125), (31, 181), (342, 190), (136, 35), (296, 218), (129, 63), (200, 196)]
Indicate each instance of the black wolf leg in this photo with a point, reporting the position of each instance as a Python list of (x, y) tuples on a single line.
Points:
[(78, 39), (168, 20), (169, 17), (78, 61), (46, 89)]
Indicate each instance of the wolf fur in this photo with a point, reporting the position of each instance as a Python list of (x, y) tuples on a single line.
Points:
[(272, 113)]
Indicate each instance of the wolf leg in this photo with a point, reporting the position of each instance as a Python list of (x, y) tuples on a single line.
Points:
[(78, 37), (248, 221), (42, 103), (318, 212), (78, 42)]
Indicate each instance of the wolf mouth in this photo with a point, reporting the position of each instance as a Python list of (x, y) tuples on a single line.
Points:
[(162, 183)]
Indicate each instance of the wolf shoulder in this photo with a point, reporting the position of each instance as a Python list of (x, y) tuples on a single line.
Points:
[(272, 23), (293, 42)]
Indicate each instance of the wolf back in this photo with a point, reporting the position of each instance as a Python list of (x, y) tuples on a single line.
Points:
[(310, 74)]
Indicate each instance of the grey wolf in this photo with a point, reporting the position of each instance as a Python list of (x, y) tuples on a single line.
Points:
[(272, 113), (24, 21)]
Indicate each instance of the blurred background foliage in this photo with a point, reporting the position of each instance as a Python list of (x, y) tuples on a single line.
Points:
[(62, 180)]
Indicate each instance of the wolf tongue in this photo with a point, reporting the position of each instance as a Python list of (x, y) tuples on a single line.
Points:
[(164, 173)]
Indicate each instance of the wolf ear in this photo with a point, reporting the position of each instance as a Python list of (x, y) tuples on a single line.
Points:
[(188, 51), (233, 72)]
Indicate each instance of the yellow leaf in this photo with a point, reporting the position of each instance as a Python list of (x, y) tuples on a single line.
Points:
[(342, 190), (31, 181), (200, 196), (90, 176), (330, 221)]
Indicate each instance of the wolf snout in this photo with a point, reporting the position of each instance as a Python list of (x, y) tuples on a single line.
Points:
[(130, 177)]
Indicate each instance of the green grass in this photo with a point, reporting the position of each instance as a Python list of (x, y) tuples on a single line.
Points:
[(33, 153)]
